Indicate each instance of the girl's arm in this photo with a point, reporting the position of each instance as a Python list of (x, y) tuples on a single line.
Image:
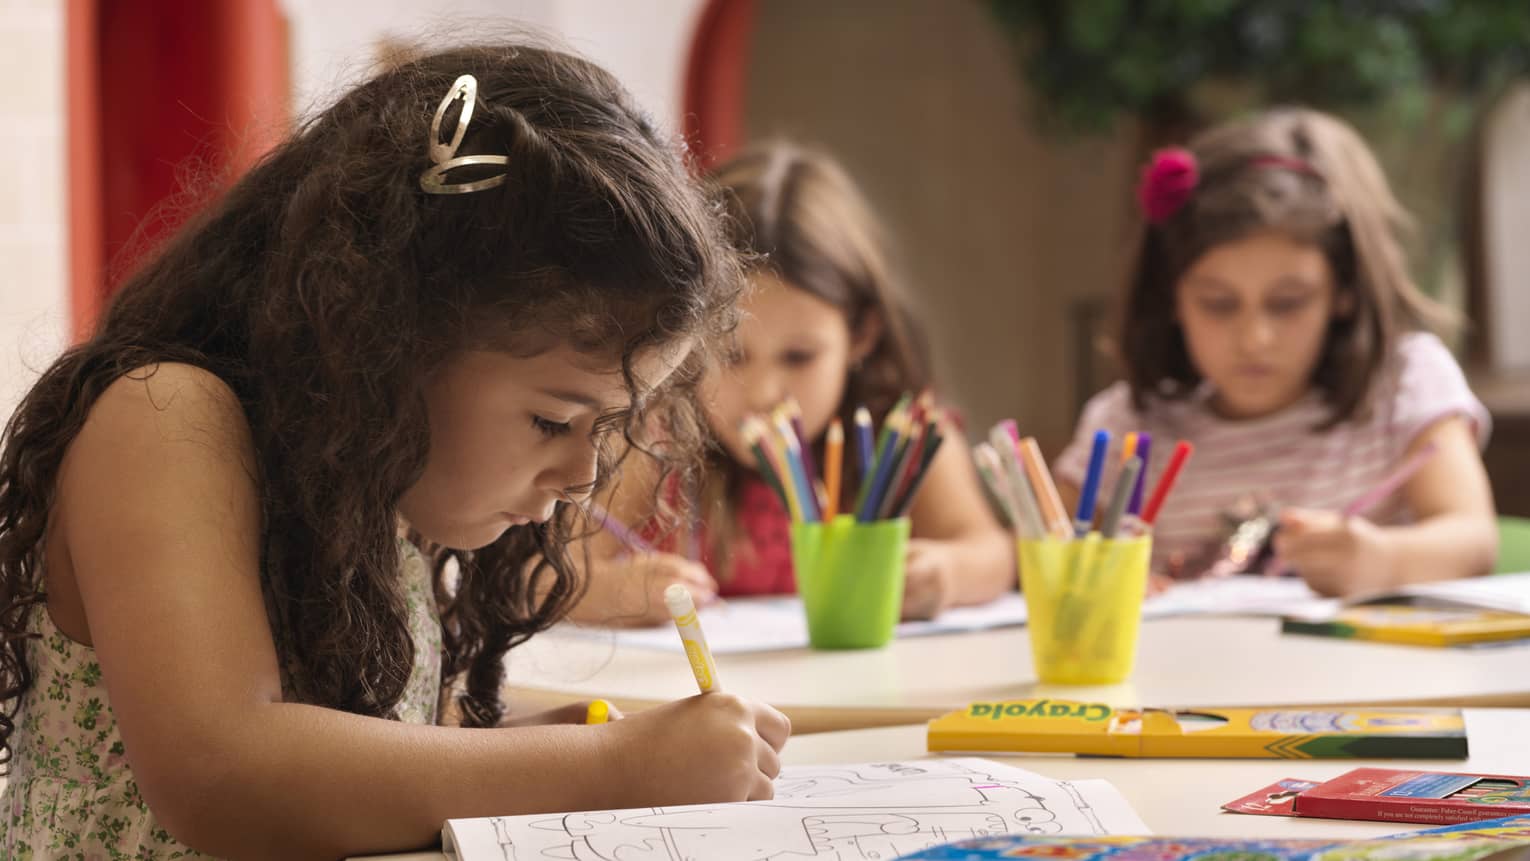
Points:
[(1455, 535), (626, 587), (959, 553), (158, 523)]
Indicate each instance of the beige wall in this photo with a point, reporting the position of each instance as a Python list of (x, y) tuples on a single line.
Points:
[(999, 229), (34, 312), (1506, 227)]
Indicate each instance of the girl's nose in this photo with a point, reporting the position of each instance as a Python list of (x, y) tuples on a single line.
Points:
[(1258, 332), (764, 391)]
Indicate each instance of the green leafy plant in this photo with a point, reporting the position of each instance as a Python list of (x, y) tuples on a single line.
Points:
[(1166, 61), (1412, 75)]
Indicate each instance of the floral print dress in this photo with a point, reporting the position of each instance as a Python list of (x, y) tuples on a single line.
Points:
[(70, 794)]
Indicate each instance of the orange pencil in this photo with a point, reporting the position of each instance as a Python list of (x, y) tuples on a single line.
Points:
[(1052, 510), (1128, 447), (833, 457)]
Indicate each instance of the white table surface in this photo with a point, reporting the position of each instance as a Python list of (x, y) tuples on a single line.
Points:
[(1183, 797), (1182, 662)]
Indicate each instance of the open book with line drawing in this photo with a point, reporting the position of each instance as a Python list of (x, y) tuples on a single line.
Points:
[(841, 812)]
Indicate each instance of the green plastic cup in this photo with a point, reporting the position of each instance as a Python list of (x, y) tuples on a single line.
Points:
[(850, 577)]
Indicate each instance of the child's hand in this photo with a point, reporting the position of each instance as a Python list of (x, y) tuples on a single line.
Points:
[(1336, 555), (629, 592), (707, 748), (1158, 583), (571, 713), (929, 570)]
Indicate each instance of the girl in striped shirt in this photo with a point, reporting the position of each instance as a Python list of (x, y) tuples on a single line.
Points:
[(1269, 319)]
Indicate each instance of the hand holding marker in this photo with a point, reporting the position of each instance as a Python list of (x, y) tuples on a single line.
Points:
[(1368, 500)]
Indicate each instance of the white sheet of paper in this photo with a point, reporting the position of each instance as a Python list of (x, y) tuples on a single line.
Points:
[(777, 623), (1289, 596), (845, 813), (1242, 595), (1507, 592)]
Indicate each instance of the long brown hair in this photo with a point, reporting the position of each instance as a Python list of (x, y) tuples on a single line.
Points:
[(796, 214), (325, 287), (1311, 177)]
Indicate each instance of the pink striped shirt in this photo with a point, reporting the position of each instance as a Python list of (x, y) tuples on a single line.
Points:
[(1278, 457)]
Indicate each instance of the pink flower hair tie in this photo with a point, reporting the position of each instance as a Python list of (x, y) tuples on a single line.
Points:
[(1166, 183)]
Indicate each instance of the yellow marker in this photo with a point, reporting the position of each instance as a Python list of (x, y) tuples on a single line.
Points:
[(678, 599), (598, 712)]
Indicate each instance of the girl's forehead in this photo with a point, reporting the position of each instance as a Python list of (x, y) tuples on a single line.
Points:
[(777, 304), (1258, 258)]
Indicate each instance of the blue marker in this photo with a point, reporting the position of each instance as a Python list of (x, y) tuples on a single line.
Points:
[(1089, 495)]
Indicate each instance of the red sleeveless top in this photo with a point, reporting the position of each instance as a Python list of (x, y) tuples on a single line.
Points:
[(761, 554)]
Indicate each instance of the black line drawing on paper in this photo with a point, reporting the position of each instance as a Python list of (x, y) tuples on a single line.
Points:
[(871, 812)]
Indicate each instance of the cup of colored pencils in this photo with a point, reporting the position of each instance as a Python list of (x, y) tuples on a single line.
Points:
[(1083, 573), (849, 533)]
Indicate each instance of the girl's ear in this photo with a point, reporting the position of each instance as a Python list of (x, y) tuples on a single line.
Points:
[(866, 335)]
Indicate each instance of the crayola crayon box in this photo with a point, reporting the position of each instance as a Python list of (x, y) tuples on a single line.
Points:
[(1066, 726)]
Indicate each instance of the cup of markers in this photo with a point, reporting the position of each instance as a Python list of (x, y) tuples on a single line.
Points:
[(1083, 577), (849, 564)]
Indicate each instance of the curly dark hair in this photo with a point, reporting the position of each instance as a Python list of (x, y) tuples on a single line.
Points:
[(326, 287)]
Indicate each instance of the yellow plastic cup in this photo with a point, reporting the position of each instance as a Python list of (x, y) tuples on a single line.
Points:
[(850, 577), (1084, 603)]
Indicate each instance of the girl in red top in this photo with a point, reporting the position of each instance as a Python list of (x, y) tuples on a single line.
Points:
[(825, 324)]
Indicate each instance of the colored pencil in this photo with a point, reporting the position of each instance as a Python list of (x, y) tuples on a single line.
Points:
[(1389, 485), (620, 531), (755, 441), (906, 463), (1028, 513), (864, 445), (777, 460), (1054, 515), (991, 470), (877, 485), (794, 413), (808, 497), (833, 455), (913, 488)]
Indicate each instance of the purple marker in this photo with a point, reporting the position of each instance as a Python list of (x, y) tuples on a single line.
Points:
[(1144, 451)]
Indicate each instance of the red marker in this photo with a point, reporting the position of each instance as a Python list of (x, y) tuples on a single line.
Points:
[(1166, 482)]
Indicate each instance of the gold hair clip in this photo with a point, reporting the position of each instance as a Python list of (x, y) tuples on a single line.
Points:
[(433, 180)]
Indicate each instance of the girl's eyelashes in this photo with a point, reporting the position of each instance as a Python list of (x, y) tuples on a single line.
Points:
[(1289, 305), (549, 428), (798, 358), (1219, 307)]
